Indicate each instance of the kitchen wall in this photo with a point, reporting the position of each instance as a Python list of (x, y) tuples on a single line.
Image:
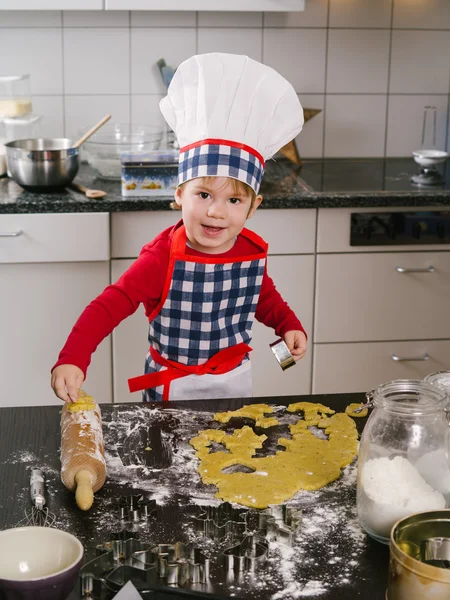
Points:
[(370, 65)]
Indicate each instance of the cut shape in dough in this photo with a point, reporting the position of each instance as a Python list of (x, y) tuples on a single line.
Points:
[(252, 411)]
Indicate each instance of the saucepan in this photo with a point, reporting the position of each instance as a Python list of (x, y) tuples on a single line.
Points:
[(46, 164)]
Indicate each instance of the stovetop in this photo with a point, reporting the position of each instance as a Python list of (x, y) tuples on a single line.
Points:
[(367, 175)]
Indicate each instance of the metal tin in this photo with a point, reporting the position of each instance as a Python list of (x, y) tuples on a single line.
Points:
[(409, 577), (282, 354)]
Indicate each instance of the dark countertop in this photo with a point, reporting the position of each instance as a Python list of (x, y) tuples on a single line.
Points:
[(330, 183), (352, 568)]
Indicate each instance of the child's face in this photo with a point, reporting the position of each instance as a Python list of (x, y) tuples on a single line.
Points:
[(213, 213)]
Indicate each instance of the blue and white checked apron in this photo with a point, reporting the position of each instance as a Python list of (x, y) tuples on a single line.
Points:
[(200, 330)]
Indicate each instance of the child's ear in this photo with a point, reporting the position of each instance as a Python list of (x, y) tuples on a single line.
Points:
[(256, 203), (177, 196)]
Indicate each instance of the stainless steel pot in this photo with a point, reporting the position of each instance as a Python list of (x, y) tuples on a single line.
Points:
[(42, 164)]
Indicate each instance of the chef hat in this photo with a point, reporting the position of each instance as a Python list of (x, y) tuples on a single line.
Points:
[(230, 114)]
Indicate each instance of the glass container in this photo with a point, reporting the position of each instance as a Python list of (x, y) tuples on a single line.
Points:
[(403, 465), (15, 96), (441, 379)]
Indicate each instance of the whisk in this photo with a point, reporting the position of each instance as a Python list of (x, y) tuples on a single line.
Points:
[(38, 514)]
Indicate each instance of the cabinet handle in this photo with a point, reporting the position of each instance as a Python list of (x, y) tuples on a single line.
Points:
[(410, 358), (429, 269), (12, 233)]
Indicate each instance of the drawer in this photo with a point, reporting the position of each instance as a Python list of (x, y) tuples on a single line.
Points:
[(345, 368), (333, 230), (290, 231), (362, 297), (68, 237)]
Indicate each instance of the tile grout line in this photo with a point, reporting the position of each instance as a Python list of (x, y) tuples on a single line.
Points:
[(63, 78), (130, 95), (325, 81), (388, 88)]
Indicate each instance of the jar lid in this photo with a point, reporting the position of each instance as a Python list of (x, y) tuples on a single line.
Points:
[(410, 397), (439, 378)]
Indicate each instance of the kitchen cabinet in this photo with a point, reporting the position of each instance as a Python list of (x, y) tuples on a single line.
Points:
[(291, 238), (209, 5), (49, 273), (380, 311), (51, 5)]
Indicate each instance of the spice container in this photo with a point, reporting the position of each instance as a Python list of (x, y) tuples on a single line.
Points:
[(150, 174), (402, 461), (15, 96)]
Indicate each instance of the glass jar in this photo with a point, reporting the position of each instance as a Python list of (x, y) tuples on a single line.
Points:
[(403, 466), (15, 96), (441, 379)]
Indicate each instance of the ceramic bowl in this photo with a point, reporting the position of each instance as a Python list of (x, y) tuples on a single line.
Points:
[(38, 563), (429, 158)]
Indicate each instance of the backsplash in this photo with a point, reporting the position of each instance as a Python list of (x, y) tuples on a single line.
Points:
[(371, 66)]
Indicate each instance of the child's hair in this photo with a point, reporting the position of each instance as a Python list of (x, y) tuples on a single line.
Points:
[(239, 187)]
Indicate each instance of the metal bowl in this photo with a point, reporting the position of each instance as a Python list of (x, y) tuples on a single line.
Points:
[(42, 164)]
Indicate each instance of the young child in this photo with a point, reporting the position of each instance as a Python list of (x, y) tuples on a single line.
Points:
[(203, 281)]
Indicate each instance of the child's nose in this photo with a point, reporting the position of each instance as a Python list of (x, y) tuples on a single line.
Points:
[(217, 210)]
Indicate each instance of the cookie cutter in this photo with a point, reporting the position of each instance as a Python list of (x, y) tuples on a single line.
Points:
[(221, 521), (282, 354), (249, 554), (279, 523), (178, 563), (436, 551), (135, 508)]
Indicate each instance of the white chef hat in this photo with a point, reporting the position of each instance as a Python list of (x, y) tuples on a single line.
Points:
[(230, 114)]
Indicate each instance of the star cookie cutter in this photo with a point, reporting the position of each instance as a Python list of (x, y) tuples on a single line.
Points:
[(220, 521), (135, 508), (249, 554)]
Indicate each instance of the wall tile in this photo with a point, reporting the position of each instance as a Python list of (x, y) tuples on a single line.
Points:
[(32, 51), (310, 140), (31, 18), (314, 15), (145, 109), (229, 19), (96, 61), (355, 126), (236, 41), (420, 62), (82, 112), (298, 55), (52, 110), (405, 123), (161, 18), (149, 45), (432, 14), (352, 54), (96, 18), (360, 13)]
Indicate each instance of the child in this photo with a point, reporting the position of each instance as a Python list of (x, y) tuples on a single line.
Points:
[(204, 280)]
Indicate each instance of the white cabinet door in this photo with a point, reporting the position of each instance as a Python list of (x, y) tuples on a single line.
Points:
[(130, 345), (294, 279), (39, 304), (51, 5), (210, 5), (359, 367)]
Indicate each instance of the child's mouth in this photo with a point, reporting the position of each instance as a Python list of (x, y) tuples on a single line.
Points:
[(212, 230)]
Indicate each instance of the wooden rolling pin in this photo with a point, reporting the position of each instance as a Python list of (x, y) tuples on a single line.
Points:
[(83, 468)]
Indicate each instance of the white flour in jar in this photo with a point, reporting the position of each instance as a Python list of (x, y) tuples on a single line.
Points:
[(391, 489)]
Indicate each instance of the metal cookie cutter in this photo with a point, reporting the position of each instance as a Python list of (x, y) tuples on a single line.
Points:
[(436, 551), (135, 508), (218, 522), (278, 523), (282, 354), (247, 555), (178, 563)]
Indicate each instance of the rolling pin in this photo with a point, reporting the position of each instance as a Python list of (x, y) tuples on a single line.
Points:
[(83, 468)]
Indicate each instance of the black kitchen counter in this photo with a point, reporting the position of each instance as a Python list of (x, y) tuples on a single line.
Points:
[(330, 183), (30, 438)]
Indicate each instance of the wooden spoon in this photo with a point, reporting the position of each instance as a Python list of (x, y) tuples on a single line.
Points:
[(91, 131), (89, 193)]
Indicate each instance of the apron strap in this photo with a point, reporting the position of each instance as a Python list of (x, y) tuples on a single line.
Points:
[(222, 362)]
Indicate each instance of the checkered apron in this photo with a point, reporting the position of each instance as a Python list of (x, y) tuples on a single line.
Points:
[(203, 322)]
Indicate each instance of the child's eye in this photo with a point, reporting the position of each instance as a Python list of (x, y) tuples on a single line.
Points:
[(234, 200), (204, 195)]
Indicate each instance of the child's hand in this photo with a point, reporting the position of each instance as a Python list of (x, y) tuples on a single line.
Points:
[(296, 342), (66, 382)]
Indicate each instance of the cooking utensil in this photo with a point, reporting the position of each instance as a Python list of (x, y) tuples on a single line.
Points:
[(282, 354), (38, 514), (83, 468), (45, 164), (88, 192)]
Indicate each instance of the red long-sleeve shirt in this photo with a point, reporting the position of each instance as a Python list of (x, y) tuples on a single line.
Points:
[(143, 283)]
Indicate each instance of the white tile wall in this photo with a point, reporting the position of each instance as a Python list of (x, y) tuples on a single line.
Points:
[(371, 66)]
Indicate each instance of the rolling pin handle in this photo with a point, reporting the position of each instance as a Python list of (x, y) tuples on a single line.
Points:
[(84, 495)]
